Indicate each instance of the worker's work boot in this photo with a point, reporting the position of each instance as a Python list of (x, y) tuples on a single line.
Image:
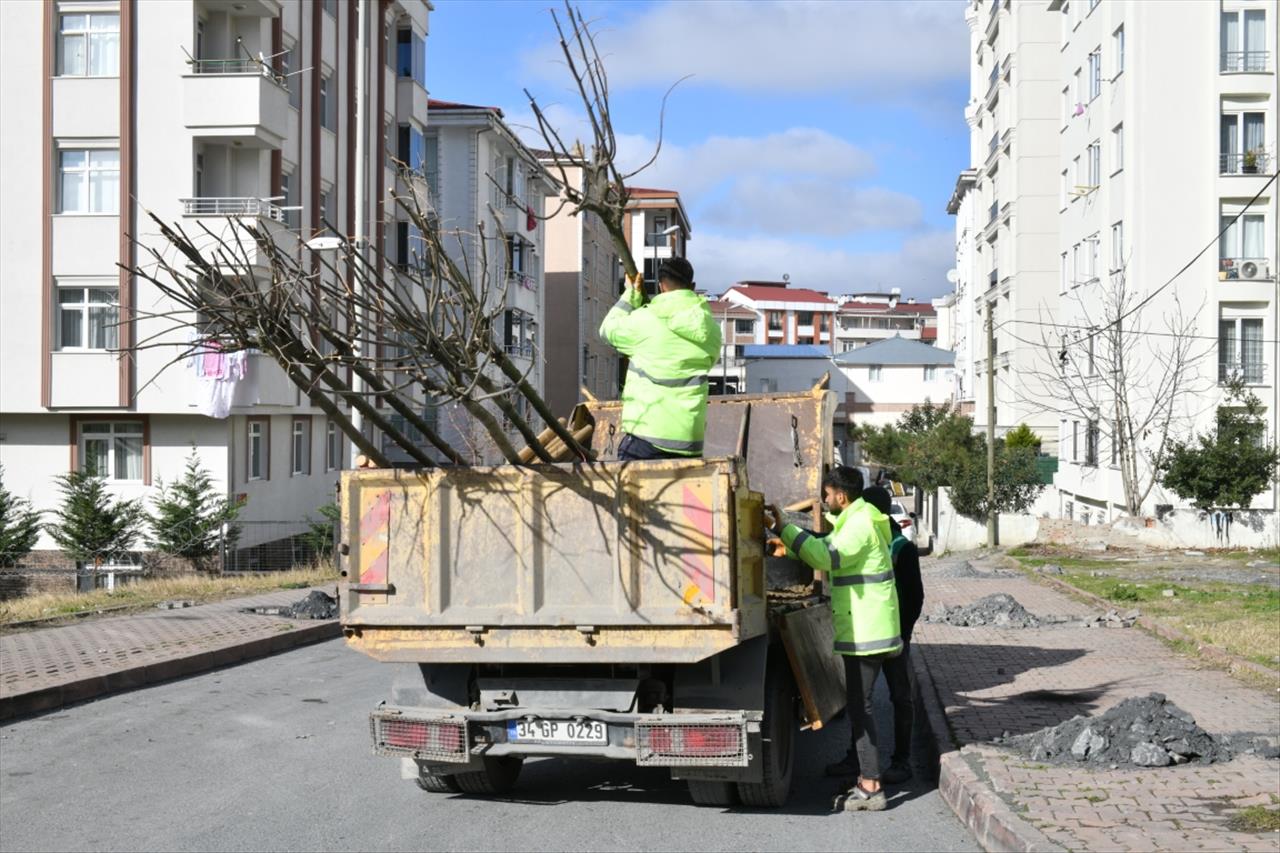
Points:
[(898, 772), (858, 799), (845, 767)]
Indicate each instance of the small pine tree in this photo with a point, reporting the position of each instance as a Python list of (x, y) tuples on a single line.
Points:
[(19, 526), (91, 528), (319, 536), (188, 517), (1022, 436)]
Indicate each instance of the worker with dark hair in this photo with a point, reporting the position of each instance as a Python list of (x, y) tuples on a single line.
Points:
[(897, 671), (864, 607), (672, 344)]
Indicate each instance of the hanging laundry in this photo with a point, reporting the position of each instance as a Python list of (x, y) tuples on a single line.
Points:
[(531, 218), (219, 372)]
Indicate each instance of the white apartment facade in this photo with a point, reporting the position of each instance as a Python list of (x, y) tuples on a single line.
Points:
[(483, 170), (1168, 135), (959, 326), (194, 110), (657, 228), (1009, 263), (865, 318), (739, 328)]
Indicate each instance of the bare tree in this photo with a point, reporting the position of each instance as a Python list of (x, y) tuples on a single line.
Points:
[(1133, 377)]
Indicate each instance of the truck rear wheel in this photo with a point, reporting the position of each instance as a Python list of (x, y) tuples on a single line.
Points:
[(778, 734), (434, 784), (498, 776), (706, 793)]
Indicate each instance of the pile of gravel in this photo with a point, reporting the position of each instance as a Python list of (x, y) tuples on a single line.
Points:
[(1144, 731), (316, 605), (1000, 610)]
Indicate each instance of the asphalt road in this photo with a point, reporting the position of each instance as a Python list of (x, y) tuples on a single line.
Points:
[(274, 755)]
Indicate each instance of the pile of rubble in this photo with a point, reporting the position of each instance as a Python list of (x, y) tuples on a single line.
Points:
[(1000, 610), (1144, 731), (1114, 619), (316, 605)]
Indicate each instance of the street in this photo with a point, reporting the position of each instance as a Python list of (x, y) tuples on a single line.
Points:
[(275, 755)]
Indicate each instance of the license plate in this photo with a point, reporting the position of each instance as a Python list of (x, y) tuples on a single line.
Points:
[(557, 731)]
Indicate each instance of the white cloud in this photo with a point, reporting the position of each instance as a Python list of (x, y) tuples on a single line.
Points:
[(810, 206), (918, 266), (876, 47)]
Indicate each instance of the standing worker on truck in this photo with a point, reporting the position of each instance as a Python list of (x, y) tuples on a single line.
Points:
[(672, 343), (864, 605)]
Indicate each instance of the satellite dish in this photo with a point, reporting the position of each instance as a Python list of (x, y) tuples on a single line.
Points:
[(953, 275), (786, 277)]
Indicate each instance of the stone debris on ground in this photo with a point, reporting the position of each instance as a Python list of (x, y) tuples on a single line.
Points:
[(175, 605), (317, 605), (999, 610), (1142, 731), (966, 570), (1114, 619)]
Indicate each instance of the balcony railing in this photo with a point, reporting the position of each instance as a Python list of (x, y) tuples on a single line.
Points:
[(521, 279), (1256, 162), (232, 207), (1245, 61), (235, 66), (1231, 269), (1250, 372)]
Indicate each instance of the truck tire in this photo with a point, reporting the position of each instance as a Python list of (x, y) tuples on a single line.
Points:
[(706, 793), (778, 733), (498, 777), (434, 784)]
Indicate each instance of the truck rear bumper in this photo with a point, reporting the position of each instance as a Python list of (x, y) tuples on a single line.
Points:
[(458, 741)]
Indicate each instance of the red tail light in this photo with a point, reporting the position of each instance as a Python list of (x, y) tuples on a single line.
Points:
[(691, 744), (443, 740)]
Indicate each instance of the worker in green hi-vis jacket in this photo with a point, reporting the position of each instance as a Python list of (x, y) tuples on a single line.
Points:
[(864, 605), (672, 344)]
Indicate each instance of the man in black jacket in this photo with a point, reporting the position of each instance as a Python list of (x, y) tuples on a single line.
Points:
[(897, 671)]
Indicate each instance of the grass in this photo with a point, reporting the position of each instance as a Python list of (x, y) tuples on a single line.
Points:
[(149, 592), (1256, 819)]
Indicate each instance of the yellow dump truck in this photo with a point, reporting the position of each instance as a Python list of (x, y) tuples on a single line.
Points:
[(604, 610)]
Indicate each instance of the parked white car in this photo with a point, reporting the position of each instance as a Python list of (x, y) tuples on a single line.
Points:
[(908, 524)]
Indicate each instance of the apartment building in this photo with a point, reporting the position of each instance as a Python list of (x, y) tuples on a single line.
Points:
[(201, 112), (864, 318), (583, 279), (1167, 128), (657, 228), (485, 174), (959, 326), (1008, 261), (739, 327), (786, 314)]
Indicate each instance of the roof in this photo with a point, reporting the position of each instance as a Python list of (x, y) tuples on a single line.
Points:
[(639, 194), (773, 293), (897, 350), (722, 308), (649, 192), (883, 308), (433, 104), (785, 351)]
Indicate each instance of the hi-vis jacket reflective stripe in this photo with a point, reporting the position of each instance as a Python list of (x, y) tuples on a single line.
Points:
[(672, 343), (864, 599)]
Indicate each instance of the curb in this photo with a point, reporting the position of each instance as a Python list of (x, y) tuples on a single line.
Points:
[(1210, 652), (52, 698), (997, 828)]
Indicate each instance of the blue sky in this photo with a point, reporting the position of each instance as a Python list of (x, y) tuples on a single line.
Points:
[(818, 139)]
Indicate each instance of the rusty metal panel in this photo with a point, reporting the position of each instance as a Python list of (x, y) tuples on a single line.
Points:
[(809, 639), (574, 551)]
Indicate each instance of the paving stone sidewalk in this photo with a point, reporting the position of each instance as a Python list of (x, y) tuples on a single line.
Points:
[(45, 668), (995, 681)]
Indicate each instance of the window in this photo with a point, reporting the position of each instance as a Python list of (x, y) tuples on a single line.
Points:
[(89, 45), (1076, 92), (775, 321), (509, 177), (1117, 50), (1094, 152), (1243, 152), (804, 318), (1075, 176), (1064, 192), (1092, 250), (1062, 286), (1240, 350), (331, 8), (1075, 441), (1066, 106), (930, 373), (89, 180), (301, 446), (1117, 246), (332, 447), (289, 189), (258, 449), (1095, 73), (1091, 364), (1093, 4), (324, 207), (1115, 443), (411, 56), (112, 449), (328, 105), (1244, 43), (408, 244), (744, 327), (1076, 268), (431, 160), (1243, 237), (412, 148), (1117, 148), (87, 317), (1091, 444), (875, 372), (1066, 22), (288, 65)]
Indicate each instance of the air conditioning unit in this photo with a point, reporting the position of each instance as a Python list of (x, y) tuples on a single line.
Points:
[(1254, 270)]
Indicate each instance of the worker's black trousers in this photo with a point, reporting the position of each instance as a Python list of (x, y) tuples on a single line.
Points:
[(632, 449), (860, 673), (898, 676)]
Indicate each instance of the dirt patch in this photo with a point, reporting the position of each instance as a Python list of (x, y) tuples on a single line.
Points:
[(1143, 731), (999, 610)]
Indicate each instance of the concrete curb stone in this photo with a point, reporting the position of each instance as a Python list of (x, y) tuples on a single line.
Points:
[(993, 823)]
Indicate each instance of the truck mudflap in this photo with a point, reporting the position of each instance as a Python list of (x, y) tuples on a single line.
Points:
[(456, 741)]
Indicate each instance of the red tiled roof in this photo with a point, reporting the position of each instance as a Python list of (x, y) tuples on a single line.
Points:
[(648, 192), (433, 104), (901, 308), (722, 308), (929, 333), (764, 293)]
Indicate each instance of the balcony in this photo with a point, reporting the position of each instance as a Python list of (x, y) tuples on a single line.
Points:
[(1251, 372), (225, 224), (243, 8), (1255, 162), (237, 100), (1245, 269), (1246, 61)]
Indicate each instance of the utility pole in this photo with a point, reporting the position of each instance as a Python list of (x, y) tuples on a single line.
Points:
[(993, 530)]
